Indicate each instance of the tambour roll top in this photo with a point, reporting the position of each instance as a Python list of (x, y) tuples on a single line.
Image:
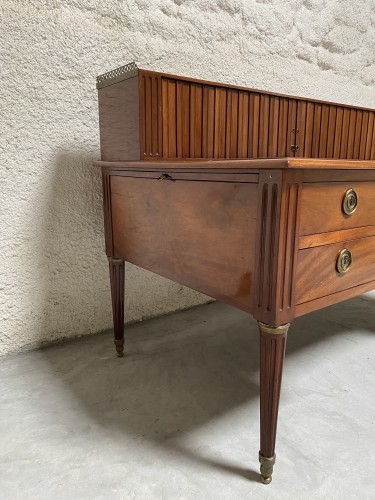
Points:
[(146, 115)]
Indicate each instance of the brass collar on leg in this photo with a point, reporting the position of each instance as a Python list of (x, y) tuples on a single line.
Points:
[(115, 260), (274, 330)]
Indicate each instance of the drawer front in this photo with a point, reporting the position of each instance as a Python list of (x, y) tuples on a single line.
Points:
[(323, 206), (317, 274)]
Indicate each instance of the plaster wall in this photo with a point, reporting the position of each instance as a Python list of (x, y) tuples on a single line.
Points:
[(53, 270)]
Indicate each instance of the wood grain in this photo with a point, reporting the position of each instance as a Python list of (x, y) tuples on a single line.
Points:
[(316, 274), (211, 223), (316, 240), (314, 170)]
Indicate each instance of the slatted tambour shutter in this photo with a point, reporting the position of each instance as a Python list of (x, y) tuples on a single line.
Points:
[(150, 115), (331, 131), (300, 129), (291, 128), (283, 139), (357, 134), (253, 131), (243, 124), (201, 120), (338, 132), (208, 121), (363, 138), (370, 139), (196, 109), (157, 116), (169, 118)]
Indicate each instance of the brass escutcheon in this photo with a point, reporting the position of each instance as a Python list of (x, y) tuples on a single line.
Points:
[(350, 202), (166, 177), (344, 261)]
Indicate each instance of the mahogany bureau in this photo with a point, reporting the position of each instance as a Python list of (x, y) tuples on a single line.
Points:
[(263, 201)]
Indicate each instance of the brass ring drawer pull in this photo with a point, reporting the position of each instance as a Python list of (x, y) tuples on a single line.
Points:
[(350, 202), (344, 261)]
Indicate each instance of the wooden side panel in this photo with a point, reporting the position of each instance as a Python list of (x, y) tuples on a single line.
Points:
[(119, 121), (206, 241), (150, 115)]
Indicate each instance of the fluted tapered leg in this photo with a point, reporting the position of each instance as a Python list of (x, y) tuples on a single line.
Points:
[(272, 352), (117, 276)]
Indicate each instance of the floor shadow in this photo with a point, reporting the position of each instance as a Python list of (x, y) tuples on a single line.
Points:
[(184, 370)]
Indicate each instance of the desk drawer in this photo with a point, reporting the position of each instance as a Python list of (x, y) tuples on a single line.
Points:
[(323, 206), (317, 268)]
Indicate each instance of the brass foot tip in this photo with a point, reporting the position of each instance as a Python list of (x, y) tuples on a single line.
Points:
[(119, 348), (266, 468), (265, 479)]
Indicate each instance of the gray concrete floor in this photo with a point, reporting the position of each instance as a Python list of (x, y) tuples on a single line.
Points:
[(178, 417)]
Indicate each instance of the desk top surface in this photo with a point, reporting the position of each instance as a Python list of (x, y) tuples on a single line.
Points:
[(256, 164)]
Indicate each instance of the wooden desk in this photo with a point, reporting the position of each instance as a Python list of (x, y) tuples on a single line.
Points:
[(276, 237), (270, 237)]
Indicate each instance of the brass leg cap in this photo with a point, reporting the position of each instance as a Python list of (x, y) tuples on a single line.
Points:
[(265, 479), (266, 468), (119, 348)]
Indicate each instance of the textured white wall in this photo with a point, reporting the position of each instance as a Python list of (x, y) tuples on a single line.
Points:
[(53, 270)]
